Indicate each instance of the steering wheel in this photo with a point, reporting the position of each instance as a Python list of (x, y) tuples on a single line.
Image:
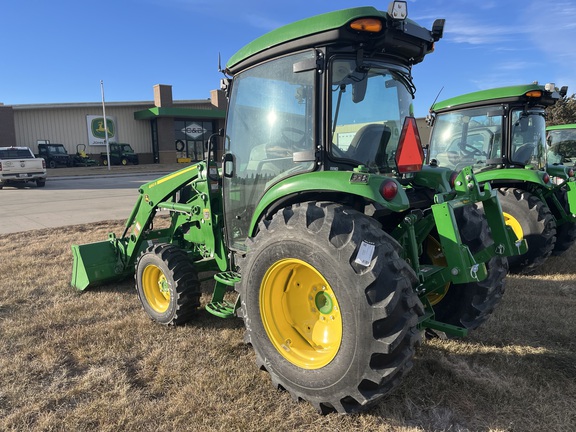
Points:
[(293, 136), (473, 150)]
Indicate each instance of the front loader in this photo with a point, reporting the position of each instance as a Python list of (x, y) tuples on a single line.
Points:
[(501, 134), (341, 247)]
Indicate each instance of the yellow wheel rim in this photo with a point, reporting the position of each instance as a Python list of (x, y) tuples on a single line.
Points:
[(301, 314), (513, 223), (436, 255), (156, 288)]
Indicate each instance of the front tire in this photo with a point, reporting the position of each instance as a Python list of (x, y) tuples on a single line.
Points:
[(167, 284), (565, 233), (329, 306), (531, 219)]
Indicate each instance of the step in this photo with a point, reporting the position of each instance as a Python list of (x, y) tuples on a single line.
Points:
[(222, 309)]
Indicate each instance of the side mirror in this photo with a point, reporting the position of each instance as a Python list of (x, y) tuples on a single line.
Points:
[(228, 164)]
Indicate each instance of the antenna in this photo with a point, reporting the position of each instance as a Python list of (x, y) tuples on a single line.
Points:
[(436, 99), (429, 117), (219, 63)]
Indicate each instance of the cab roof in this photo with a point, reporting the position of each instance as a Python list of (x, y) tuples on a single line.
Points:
[(508, 94), (409, 40)]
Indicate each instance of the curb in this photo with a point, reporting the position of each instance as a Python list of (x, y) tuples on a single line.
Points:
[(95, 176)]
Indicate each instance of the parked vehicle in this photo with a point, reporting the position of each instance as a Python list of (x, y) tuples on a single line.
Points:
[(338, 244), (19, 166), (55, 155), (120, 154), (501, 134)]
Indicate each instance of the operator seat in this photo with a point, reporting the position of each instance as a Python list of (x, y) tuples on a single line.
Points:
[(523, 154), (369, 145)]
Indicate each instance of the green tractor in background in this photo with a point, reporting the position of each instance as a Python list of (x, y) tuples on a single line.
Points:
[(562, 144), (501, 133), (323, 230)]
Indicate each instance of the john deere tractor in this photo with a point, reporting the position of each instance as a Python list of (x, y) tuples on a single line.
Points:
[(501, 133), (327, 235)]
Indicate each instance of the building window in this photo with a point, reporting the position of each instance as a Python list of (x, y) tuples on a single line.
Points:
[(191, 137)]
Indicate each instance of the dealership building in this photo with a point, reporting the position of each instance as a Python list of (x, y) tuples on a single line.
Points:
[(160, 131)]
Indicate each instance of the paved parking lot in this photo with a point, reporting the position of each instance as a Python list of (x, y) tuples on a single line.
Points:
[(76, 196)]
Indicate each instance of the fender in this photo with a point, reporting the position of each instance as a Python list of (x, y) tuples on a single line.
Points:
[(505, 174), (357, 183)]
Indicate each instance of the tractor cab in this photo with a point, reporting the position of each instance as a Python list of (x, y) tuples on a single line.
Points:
[(336, 102), (498, 128)]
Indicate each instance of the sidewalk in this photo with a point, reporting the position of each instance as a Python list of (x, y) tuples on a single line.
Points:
[(115, 170)]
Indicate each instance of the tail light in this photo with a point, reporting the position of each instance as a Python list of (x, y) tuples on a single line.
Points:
[(571, 172), (389, 189), (44, 163), (546, 178), (453, 178)]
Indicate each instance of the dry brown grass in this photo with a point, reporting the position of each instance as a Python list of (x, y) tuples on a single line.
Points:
[(94, 361)]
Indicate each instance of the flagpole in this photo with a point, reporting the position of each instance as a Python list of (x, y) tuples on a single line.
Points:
[(105, 124)]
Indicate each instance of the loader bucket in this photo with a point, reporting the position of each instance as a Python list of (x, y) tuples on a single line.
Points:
[(95, 263)]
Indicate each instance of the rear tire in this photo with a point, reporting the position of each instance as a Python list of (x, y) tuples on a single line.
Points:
[(167, 284), (40, 182), (531, 219), (329, 330), (469, 305)]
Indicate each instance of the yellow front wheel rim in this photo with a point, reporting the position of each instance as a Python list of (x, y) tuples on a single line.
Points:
[(300, 314), (513, 223), (156, 288)]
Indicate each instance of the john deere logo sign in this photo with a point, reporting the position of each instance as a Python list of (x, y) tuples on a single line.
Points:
[(97, 132)]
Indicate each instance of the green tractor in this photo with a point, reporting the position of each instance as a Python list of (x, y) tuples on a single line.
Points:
[(562, 142), (501, 133), (321, 228)]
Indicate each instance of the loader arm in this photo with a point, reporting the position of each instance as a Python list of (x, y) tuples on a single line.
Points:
[(193, 197)]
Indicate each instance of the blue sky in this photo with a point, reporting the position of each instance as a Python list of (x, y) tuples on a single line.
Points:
[(58, 51)]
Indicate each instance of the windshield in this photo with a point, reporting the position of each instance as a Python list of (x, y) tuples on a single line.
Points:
[(473, 137), (57, 150), (368, 107), (15, 153), (562, 146)]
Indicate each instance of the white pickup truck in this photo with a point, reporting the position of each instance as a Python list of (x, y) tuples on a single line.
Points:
[(18, 165)]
